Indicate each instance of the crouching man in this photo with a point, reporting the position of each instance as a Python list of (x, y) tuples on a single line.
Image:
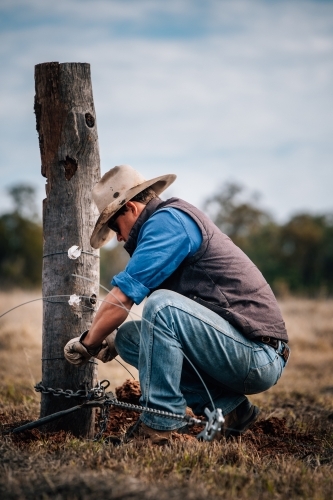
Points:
[(208, 306)]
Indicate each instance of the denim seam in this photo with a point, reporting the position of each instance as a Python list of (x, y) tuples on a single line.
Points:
[(151, 325), (250, 375), (234, 405), (168, 304)]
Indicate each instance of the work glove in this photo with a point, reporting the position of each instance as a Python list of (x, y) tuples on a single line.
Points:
[(76, 353), (108, 351)]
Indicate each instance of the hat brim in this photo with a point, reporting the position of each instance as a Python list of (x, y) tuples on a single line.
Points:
[(102, 234)]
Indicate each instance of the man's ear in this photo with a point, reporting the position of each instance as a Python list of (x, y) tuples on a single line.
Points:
[(131, 207), (135, 207)]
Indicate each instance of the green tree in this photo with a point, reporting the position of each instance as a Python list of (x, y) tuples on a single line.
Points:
[(296, 256), (24, 199), (113, 260), (235, 216), (21, 244), (305, 259)]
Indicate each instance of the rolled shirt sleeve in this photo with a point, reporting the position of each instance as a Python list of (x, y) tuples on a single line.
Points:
[(164, 241)]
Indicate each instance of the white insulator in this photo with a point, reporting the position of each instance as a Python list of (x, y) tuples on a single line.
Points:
[(74, 252), (74, 300)]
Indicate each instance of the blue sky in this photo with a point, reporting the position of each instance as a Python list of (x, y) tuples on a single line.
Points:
[(213, 91)]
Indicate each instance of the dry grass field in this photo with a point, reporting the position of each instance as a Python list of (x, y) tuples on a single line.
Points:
[(288, 454)]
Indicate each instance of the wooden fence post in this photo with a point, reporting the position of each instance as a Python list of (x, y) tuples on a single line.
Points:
[(68, 141)]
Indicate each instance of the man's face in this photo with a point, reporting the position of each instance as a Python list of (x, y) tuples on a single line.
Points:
[(123, 224)]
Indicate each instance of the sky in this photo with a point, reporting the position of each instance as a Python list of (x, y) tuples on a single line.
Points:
[(213, 91)]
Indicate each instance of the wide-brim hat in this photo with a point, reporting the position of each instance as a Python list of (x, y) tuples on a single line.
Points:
[(117, 187)]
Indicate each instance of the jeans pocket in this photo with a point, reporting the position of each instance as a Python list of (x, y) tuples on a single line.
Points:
[(261, 378)]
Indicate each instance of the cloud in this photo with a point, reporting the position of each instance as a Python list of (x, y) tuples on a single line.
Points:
[(245, 92)]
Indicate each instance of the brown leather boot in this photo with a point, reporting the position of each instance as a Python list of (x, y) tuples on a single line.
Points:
[(240, 419), (141, 434)]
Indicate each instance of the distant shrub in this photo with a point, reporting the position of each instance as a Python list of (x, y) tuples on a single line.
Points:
[(21, 251)]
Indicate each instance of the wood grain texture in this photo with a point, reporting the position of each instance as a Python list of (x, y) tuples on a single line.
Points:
[(68, 140)]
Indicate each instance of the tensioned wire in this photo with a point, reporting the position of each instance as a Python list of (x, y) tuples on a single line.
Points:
[(62, 302), (130, 313)]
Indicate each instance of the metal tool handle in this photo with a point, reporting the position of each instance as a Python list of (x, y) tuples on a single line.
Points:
[(54, 416)]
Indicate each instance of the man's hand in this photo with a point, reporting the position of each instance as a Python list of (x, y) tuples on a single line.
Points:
[(108, 351), (98, 342), (75, 352)]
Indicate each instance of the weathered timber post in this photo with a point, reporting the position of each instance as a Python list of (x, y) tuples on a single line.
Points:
[(68, 141)]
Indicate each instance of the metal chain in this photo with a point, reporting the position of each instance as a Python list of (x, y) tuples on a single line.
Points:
[(144, 409), (97, 397), (98, 393), (102, 421), (68, 393), (105, 413)]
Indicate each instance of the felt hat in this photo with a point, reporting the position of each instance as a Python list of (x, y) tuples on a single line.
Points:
[(117, 187)]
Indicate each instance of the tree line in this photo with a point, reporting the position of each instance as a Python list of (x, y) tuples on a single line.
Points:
[(295, 257)]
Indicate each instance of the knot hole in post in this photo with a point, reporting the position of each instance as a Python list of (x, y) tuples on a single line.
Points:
[(70, 166), (90, 120), (93, 299)]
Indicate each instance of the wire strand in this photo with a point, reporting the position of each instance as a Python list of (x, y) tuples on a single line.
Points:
[(115, 359), (61, 253), (201, 379), (122, 306), (91, 281)]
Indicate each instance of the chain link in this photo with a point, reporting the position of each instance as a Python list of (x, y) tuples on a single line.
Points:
[(68, 393), (102, 421), (144, 409), (97, 392)]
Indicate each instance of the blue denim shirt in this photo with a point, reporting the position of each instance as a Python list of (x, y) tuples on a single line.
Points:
[(164, 241)]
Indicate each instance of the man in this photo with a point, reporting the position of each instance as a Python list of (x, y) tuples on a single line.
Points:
[(210, 316)]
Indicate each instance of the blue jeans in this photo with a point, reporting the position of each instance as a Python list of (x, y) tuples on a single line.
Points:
[(174, 328)]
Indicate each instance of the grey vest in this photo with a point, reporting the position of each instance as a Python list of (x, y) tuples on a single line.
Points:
[(220, 277)]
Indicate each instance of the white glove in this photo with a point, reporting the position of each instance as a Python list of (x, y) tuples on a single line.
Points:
[(76, 353), (108, 351)]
